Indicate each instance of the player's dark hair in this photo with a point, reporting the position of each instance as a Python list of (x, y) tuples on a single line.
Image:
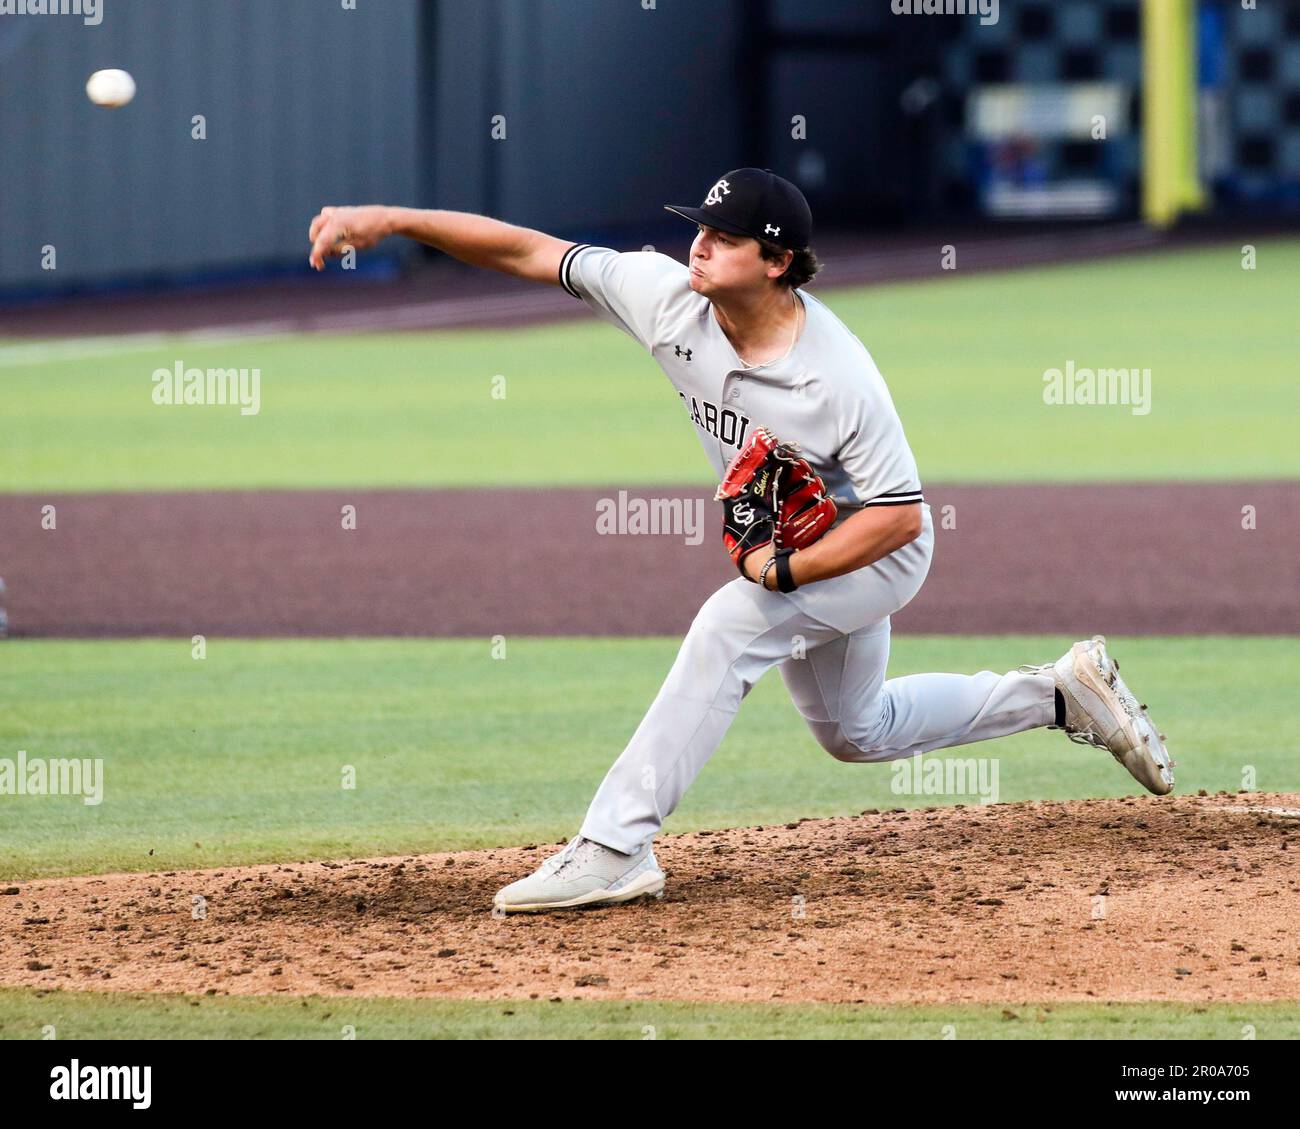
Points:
[(803, 267)]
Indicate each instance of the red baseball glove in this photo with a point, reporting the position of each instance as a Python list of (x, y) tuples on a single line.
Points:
[(772, 496)]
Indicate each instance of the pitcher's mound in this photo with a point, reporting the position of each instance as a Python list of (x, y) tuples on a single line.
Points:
[(1179, 898)]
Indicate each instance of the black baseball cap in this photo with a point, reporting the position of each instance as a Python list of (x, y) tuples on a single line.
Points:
[(757, 203)]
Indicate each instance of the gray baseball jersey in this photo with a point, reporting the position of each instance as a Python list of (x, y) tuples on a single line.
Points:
[(826, 395), (830, 638)]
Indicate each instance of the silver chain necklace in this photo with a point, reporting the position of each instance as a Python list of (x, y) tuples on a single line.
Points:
[(794, 336)]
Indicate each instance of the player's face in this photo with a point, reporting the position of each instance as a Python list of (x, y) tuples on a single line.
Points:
[(721, 263)]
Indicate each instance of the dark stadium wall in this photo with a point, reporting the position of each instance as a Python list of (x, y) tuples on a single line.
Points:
[(304, 102)]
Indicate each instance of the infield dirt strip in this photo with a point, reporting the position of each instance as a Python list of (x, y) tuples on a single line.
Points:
[(1111, 558), (1178, 898)]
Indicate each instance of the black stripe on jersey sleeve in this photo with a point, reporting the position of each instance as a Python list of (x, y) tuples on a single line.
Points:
[(896, 498), (566, 263)]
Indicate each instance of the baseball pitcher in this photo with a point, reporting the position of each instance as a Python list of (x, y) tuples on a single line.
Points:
[(824, 518)]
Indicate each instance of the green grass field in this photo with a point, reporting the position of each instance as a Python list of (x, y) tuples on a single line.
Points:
[(28, 1014), (239, 757), (964, 357)]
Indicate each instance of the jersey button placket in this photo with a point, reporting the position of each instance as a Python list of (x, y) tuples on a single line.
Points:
[(731, 390)]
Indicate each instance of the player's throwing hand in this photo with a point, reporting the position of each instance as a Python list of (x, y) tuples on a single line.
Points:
[(334, 230)]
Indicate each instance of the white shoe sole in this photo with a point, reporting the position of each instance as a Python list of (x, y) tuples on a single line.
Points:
[(1146, 759), (650, 884)]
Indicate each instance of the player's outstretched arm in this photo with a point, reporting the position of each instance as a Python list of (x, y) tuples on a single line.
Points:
[(477, 240)]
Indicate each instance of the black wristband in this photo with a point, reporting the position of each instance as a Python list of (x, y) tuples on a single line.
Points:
[(784, 579)]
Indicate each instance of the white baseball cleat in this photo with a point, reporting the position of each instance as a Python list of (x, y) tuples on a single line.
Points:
[(1100, 710), (585, 873)]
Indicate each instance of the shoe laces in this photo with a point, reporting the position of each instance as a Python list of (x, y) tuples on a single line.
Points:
[(1132, 706), (570, 853), (1081, 736)]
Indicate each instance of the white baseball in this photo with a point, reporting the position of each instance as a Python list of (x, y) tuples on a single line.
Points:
[(110, 88)]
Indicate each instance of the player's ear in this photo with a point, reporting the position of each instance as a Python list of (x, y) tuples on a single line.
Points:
[(778, 267)]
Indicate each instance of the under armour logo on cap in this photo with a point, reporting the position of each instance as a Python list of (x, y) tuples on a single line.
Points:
[(757, 203)]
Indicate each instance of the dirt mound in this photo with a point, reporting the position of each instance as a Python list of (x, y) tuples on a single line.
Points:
[(1181, 898)]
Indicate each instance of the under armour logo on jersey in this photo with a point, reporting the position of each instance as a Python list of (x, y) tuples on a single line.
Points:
[(742, 513), (770, 230), (717, 192), (683, 352)]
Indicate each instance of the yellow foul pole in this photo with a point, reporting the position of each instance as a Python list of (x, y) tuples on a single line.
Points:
[(1170, 182)]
